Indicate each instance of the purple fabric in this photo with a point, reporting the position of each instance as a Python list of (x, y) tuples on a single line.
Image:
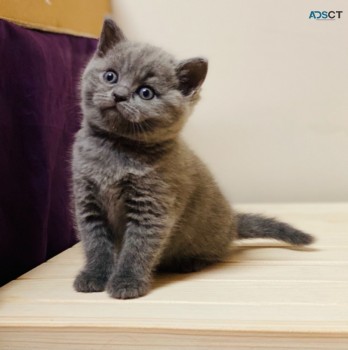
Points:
[(39, 114)]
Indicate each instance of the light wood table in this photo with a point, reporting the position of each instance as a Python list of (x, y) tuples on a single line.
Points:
[(266, 296)]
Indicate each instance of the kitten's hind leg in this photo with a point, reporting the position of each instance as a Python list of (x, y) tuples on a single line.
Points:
[(185, 265)]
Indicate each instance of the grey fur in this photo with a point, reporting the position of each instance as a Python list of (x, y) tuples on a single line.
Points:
[(143, 200)]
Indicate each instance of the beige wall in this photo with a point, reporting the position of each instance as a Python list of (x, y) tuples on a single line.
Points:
[(273, 121)]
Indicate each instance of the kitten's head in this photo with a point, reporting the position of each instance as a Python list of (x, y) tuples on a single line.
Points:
[(139, 91)]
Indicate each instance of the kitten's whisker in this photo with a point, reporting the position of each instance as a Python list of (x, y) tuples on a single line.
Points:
[(143, 131), (140, 131), (100, 95), (134, 129)]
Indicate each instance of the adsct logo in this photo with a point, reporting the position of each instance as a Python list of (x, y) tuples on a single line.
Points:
[(325, 15)]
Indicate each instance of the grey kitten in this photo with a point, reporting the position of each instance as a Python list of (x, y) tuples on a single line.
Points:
[(143, 200)]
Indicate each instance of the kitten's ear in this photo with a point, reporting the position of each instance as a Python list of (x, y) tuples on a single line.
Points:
[(191, 74), (110, 35)]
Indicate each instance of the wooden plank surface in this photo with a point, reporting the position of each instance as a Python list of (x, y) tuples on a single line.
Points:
[(266, 295)]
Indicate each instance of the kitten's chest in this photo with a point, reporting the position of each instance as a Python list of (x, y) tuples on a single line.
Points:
[(109, 169), (105, 164), (114, 206)]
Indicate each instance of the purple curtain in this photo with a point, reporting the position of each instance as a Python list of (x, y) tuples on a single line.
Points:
[(39, 114)]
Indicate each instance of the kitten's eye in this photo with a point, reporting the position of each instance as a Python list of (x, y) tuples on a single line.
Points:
[(110, 77), (146, 93)]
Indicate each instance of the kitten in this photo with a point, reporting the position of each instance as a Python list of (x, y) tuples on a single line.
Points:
[(143, 200)]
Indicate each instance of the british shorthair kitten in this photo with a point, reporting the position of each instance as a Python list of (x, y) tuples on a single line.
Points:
[(143, 200)]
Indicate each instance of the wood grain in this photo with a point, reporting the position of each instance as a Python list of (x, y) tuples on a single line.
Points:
[(265, 296)]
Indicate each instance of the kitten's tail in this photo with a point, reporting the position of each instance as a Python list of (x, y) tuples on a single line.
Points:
[(258, 226)]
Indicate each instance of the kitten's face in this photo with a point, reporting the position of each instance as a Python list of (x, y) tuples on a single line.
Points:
[(138, 91)]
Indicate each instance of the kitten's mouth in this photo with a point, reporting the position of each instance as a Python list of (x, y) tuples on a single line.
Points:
[(128, 112), (127, 120), (122, 111)]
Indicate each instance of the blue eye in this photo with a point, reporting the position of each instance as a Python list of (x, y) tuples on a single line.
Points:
[(146, 93), (110, 77)]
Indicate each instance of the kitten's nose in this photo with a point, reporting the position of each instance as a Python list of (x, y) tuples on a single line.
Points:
[(119, 97), (120, 93)]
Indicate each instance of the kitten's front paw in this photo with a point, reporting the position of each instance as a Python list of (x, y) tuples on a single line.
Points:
[(127, 287), (87, 282)]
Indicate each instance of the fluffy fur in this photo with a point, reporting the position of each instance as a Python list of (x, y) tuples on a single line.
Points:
[(143, 200)]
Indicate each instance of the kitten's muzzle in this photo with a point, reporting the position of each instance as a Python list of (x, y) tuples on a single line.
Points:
[(120, 94)]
